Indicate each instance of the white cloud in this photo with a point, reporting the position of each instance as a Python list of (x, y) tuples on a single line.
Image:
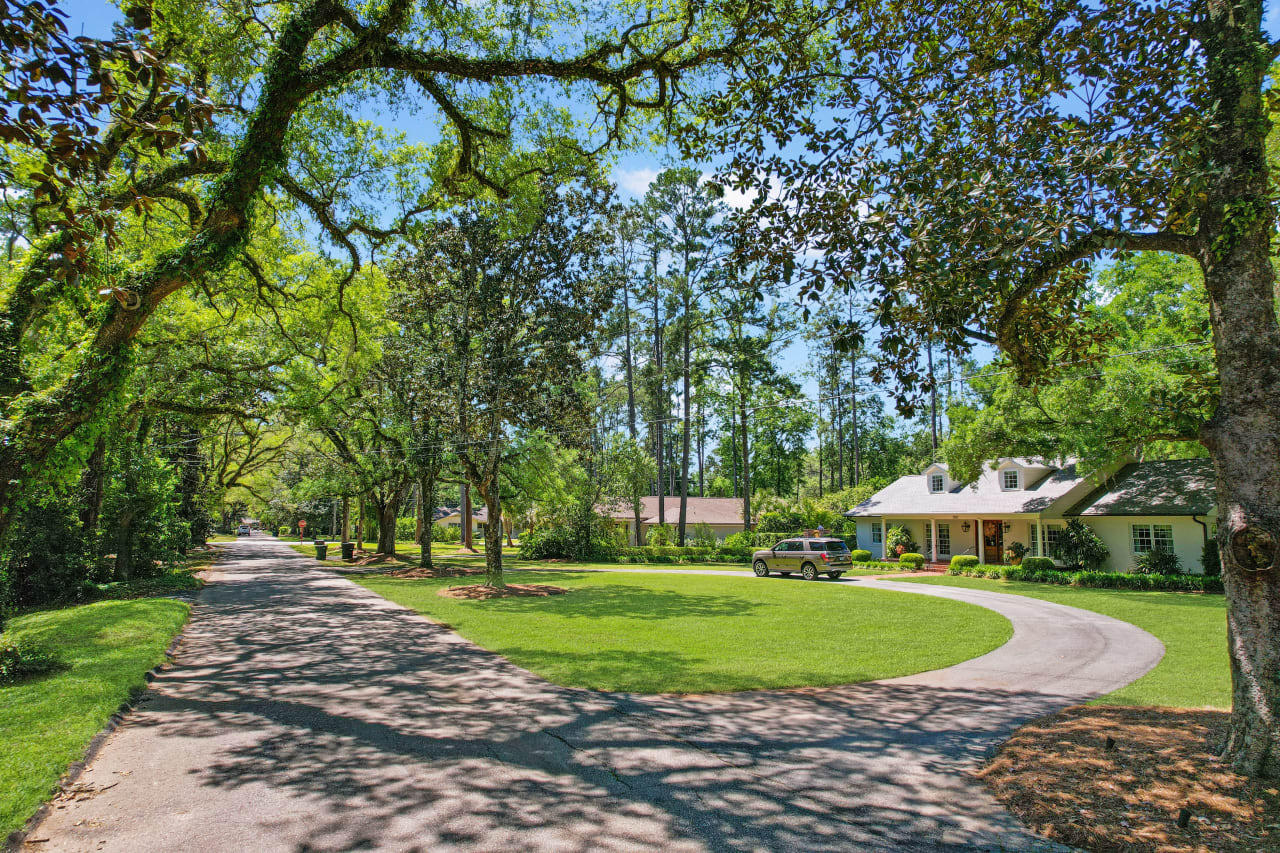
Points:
[(635, 181)]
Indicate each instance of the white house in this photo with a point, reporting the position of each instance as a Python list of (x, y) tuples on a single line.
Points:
[(1133, 509)]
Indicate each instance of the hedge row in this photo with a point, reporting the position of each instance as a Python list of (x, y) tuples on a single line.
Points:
[(726, 559), (1089, 579)]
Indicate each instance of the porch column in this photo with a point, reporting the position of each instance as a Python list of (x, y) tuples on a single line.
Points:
[(1040, 543), (933, 534)]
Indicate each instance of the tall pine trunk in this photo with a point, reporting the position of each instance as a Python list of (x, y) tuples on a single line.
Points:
[(746, 456), (687, 424), (856, 475)]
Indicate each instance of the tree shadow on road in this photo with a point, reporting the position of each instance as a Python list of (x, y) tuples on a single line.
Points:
[(398, 734)]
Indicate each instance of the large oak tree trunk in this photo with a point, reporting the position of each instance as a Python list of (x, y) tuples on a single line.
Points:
[(492, 535), (93, 487), (427, 494), (387, 515), (1243, 436)]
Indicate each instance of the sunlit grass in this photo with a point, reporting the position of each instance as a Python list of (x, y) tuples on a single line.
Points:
[(1194, 673), (46, 722), (658, 633)]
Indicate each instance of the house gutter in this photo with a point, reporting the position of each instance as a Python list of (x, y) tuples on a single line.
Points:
[(1204, 527)]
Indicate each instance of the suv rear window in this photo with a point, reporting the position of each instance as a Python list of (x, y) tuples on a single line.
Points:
[(832, 546)]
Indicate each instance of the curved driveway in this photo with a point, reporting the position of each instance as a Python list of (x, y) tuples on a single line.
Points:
[(305, 713)]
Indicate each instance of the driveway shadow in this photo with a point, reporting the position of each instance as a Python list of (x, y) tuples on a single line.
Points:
[(311, 714)]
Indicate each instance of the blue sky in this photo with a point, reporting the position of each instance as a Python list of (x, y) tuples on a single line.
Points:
[(632, 171)]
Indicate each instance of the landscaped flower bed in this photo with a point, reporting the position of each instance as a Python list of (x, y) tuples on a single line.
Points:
[(1095, 580)]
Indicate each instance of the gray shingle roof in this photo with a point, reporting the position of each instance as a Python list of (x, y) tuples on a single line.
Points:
[(700, 510), (911, 496), (1167, 487)]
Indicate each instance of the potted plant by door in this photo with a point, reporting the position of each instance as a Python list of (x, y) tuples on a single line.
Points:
[(1014, 552), (899, 541)]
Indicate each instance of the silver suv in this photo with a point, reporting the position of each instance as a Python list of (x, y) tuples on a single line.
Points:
[(808, 556)]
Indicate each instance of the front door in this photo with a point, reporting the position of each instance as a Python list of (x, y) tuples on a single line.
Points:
[(992, 542)]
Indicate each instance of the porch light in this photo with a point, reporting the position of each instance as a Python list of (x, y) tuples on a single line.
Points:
[(1007, 527), (965, 526)]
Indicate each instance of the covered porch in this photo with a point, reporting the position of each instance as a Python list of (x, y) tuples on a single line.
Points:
[(939, 538)]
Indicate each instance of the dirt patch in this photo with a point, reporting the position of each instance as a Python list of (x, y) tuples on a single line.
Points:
[(476, 592), (1058, 776), (436, 572), (374, 560)]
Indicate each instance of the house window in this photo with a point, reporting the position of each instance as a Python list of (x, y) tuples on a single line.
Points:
[(1051, 532), (1010, 480), (1033, 549), (935, 482), (1148, 537), (927, 547), (877, 533), (944, 538)]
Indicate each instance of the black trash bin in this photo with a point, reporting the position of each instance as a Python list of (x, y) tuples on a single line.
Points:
[(348, 551), (322, 549)]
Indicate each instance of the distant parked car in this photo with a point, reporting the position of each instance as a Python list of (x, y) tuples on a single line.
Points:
[(243, 530), (808, 556)]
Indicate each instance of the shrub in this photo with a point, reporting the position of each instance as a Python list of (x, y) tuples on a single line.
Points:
[(1079, 546), (47, 558), (406, 529), (787, 522), (590, 540), (703, 537), (898, 541), (916, 561), (445, 534), (963, 561), (740, 541), (1210, 560), (659, 534), (860, 556), (1157, 561), (1038, 564), (20, 660)]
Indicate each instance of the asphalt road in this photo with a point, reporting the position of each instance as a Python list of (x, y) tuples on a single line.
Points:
[(305, 713)]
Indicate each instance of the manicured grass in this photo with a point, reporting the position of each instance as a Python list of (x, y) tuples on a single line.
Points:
[(1193, 627), (46, 722), (535, 565), (657, 633)]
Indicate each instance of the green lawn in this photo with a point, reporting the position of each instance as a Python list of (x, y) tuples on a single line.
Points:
[(1193, 627), (46, 723), (655, 633), (535, 565)]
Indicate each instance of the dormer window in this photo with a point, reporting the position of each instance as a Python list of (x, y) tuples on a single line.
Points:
[(936, 483), (1011, 480)]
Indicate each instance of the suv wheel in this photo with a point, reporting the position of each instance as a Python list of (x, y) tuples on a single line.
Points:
[(834, 575), (761, 569), (809, 571)]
